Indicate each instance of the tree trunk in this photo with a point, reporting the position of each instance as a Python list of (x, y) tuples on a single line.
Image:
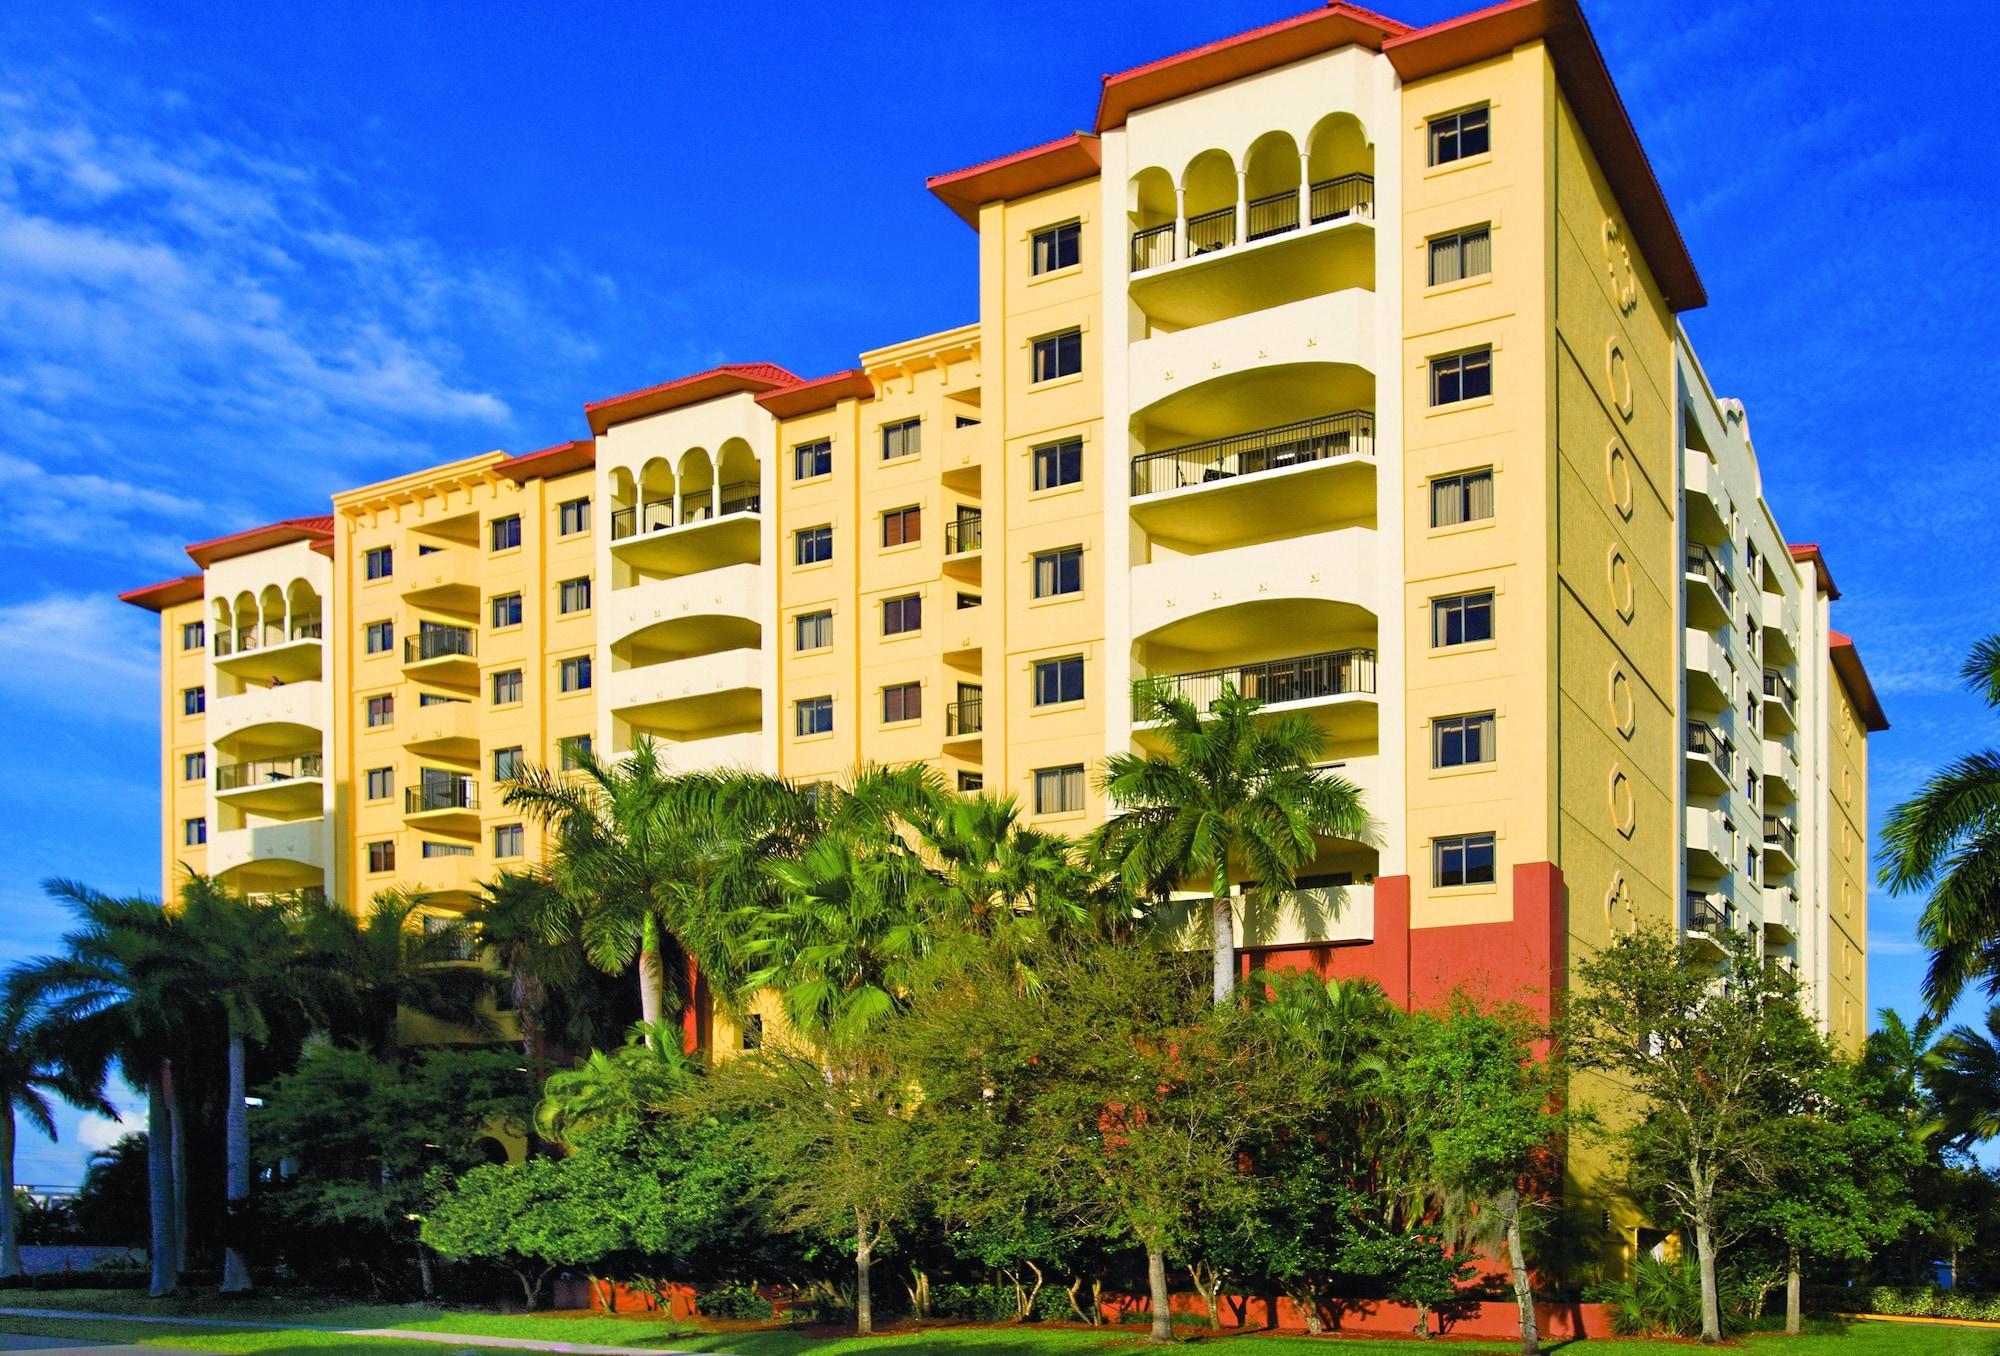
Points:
[(1156, 1277), (160, 1189), (1524, 1294), (10, 1243), (424, 1270), (1222, 927), (1792, 1288), (864, 1257), (652, 979), (177, 1141), (236, 1121), (1028, 1305), (1711, 1303)]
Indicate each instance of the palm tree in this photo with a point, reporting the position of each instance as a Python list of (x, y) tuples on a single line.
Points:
[(1946, 839), (388, 961), (31, 1071), (1231, 790), (643, 1078), (1965, 1079), (1903, 1059)]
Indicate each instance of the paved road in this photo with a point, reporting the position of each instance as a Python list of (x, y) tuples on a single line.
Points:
[(406, 1334)]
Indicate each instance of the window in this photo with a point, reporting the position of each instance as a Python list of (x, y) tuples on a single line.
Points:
[(1059, 680), (1457, 741), (1059, 572), (1466, 860), (1057, 355), (902, 526), (573, 750), (1461, 498), (506, 610), (572, 517), (194, 635), (1459, 136), (902, 615), (971, 781), (812, 459), (574, 595), (753, 1031), (1461, 619), (505, 532), (381, 711), (194, 832), (576, 674), (966, 600), (431, 849), (811, 545), (194, 700), (436, 699), (1461, 255), (1058, 789), (1057, 247), (812, 630), (506, 687), (902, 701), (382, 857), (814, 715), (508, 840), (379, 562), (902, 439), (379, 637), (1462, 376), (194, 766), (1058, 464), (507, 764)]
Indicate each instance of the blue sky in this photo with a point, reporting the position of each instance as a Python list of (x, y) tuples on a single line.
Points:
[(252, 254)]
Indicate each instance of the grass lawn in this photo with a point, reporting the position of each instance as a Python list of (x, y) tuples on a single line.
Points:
[(1867, 1339)]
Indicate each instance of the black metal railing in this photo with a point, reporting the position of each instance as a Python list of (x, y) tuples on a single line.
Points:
[(1776, 686), (1152, 247), (440, 642), (1710, 743), (1248, 454), (964, 534), (1331, 673), (1705, 913), (649, 516), (1211, 231), (1701, 561), (455, 793), (1271, 215), (1349, 195), (964, 717), (264, 771), (696, 506), (1781, 835)]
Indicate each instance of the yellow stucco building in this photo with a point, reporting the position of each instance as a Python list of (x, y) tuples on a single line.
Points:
[(1339, 361)]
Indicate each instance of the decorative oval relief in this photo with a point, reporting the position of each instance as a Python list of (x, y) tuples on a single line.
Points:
[(1623, 715), (1618, 904), (1618, 267), (1618, 798), (1618, 478), (1618, 377), (1618, 575)]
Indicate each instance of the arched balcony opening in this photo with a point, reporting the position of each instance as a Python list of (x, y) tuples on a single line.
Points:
[(1340, 164), (1209, 197), (270, 616), (1153, 215), (740, 477), (655, 507), (1272, 173), (304, 619), (694, 478), (243, 624)]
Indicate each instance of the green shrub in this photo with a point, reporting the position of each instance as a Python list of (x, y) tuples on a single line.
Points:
[(1659, 1297), (1052, 1305), (733, 1301), (977, 1303), (1923, 1301)]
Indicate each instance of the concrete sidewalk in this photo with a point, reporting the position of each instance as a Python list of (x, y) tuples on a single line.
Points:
[(405, 1334)]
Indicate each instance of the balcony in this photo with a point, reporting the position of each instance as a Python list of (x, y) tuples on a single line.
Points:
[(1711, 847), (271, 717), (1781, 627), (1781, 845), (964, 719), (1781, 912), (288, 656), (272, 857), (702, 695), (1781, 703), (1711, 759), (964, 539), (442, 654), (1708, 918), (1711, 677), (1312, 913), (743, 751), (442, 730), (1711, 597), (964, 445), (698, 531), (654, 620), (442, 799), (1312, 355), (444, 580), (1707, 502), (1287, 478), (1304, 679), (1781, 773), (273, 785), (454, 875)]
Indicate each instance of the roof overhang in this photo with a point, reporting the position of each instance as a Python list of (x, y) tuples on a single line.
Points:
[(1049, 165), (821, 393), (160, 597), (318, 531), (1847, 667), (1807, 551), (728, 379), (559, 460)]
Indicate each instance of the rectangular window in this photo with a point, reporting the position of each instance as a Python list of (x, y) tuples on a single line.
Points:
[(1459, 136), (1058, 464), (1057, 247), (379, 637), (1059, 680), (1057, 355), (505, 532), (1458, 741), (382, 857), (381, 783), (506, 687), (902, 526), (1059, 572), (1461, 255), (574, 596), (812, 630), (573, 751), (194, 635), (966, 600), (431, 849), (903, 701), (436, 699), (506, 610), (810, 460), (575, 674), (194, 700), (811, 545), (971, 781), (902, 615), (753, 1031), (507, 764), (379, 562), (194, 832), (572, 517), (814, 715), (194, 766), (1461, 619), (902, 439), (1462, 376), (1462, 498), (1058, 789), (1466, 860), (381, 711), (508, 840)]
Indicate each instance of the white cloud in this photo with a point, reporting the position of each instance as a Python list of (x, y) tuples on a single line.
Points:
[(95, 1133), (82, 653)]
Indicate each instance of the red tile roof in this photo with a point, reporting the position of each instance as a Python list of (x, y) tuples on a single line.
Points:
[(559, 460), (317, 529), (159, 597), (1847, 667), (688, 390), (1049, 165), (1809, 551), (818, 394)]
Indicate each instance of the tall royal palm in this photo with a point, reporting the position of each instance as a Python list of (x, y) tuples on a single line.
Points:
[(1946, 839), (32, 1070), (1236, 799)]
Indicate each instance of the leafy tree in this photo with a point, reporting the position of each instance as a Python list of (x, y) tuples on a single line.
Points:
[(1419, 1266), (111, 1205), (531, 1217), (388, 961), (1237, 798), (641, 1081), (1946, 840), (30, 1074), (1715, 1057)]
